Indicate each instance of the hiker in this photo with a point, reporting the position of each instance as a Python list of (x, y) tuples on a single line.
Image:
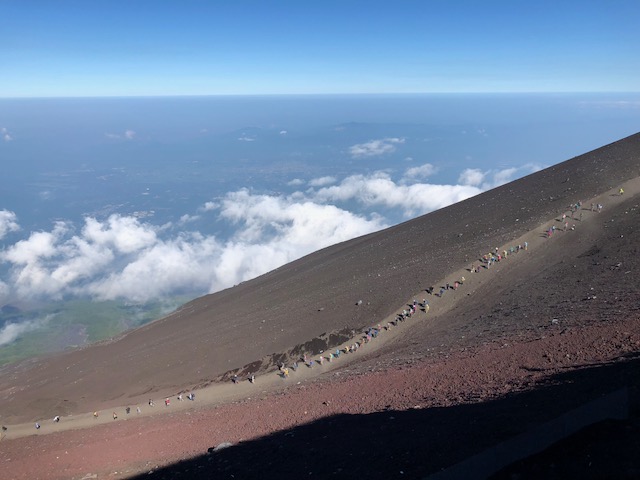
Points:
[(621, 192), (252, 378), (234, 379), (37, 426), (150, 403), (526, 245), (285, 373), (115, 416), (441, 291), (180, 398), (138, 410), (56, 419), (167, 402), (128, 410)]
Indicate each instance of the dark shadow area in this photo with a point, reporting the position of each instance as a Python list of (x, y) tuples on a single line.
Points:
[(604, 450), (413, 443)]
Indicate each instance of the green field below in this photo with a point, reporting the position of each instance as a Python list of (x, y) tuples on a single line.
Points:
[(71, 324)]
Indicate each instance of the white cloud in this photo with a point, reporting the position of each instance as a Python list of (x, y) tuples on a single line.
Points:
[(504, 176), (494, 178), (121, 257), (283, 132), (423, 171), (375, 147), (379, 189), (295, 182), (127, 135), (322, 181), (4, 133), (246, 138), (8, 223), (11, 331), (471, 176), (186, 218), (208, 206)]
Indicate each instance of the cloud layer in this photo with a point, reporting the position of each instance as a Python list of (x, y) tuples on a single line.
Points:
[(125, 258)]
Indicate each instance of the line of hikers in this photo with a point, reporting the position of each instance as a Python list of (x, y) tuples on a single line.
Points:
[(371, 333)]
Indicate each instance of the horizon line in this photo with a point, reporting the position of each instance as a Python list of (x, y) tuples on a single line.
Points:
[(370, 94)]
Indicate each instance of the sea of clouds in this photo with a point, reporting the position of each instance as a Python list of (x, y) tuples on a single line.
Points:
[(134, 260)]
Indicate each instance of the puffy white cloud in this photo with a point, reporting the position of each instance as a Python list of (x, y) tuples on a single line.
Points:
[(8, 222), (503, 176), (379, 189), (121, 257), (471, 176), (295, 182), (124, 234), (208, 206), (322, 181), (11, 331), (374, 148), (186, 218), (423, 171), (494, 178)]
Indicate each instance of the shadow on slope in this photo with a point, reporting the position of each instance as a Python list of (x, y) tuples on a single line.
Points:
[(412, 443)]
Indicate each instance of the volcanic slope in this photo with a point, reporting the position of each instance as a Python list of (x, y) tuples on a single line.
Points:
[(309, 297)]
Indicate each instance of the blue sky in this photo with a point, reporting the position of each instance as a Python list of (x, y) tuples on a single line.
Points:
[(121, 48)]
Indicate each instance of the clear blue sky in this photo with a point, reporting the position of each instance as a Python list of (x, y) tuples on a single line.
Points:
[(187, 47)]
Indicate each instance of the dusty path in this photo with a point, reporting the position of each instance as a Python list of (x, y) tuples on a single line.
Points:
[(220, 394)]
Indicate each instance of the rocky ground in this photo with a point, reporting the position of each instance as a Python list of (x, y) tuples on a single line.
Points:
[(535, 336)]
